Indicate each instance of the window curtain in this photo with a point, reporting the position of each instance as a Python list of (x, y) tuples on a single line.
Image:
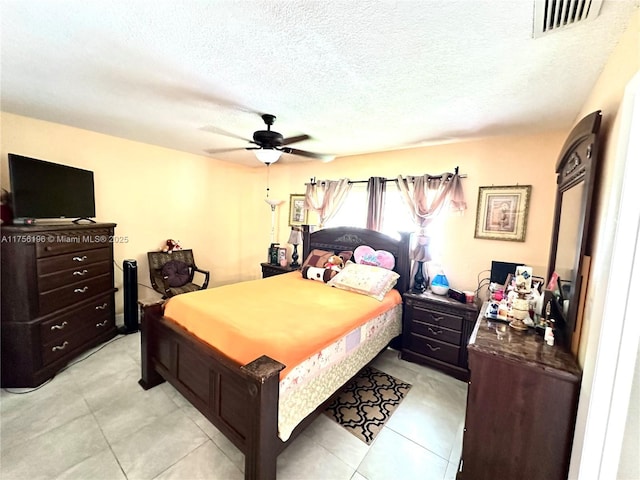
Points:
[(428, 197), (376, 189), (325, 197)]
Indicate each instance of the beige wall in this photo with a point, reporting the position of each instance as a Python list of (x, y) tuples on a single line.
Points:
[(606, 95)]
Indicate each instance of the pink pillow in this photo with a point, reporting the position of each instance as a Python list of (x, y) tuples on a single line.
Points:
[(366, 255)]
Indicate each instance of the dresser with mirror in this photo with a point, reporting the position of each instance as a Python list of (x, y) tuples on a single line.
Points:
[(523, 393)]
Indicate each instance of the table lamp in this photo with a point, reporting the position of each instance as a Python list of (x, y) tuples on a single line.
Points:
[(421, 255), (295, 239)]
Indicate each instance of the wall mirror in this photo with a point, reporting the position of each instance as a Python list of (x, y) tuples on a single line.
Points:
[(571, 240)]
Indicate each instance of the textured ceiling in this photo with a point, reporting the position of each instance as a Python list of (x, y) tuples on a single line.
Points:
[(357, 77)]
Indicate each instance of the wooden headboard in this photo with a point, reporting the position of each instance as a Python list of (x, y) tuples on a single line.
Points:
[(348, 238)]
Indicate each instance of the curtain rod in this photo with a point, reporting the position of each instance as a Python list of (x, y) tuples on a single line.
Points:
[(385, 180)]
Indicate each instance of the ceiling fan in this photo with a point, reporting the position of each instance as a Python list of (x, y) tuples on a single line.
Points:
[(269, 144)]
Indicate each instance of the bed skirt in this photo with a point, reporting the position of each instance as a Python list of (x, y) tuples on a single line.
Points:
[(317, 378)]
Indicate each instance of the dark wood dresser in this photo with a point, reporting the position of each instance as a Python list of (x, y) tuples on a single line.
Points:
[(57, 297), (269, 270), (435, 331), (521, 405)]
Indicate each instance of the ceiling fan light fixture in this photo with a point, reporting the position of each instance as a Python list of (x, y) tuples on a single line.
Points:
[(267, 155)]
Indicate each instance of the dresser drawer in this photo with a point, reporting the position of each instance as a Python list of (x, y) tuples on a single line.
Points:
[(72, 340), (434, 331), (59, 326), (76, 292), (440, 319), (434, 348), (74, 260), (56, 243), (73, 275)]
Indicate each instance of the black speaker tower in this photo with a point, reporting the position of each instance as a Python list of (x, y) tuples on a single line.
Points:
[(130, 271)]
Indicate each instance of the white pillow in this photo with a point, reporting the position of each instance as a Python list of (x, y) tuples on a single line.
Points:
[(368, 280)]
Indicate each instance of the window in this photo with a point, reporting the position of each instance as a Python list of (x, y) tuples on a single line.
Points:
[(396, 216), (353, 212)]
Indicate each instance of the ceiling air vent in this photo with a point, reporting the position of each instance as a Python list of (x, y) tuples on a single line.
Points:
[(553, 15)]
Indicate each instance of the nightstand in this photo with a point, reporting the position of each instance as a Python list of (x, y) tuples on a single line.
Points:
[(436, 330), (269, 270)]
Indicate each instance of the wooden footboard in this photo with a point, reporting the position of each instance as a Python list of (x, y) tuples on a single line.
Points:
[(240, 400)]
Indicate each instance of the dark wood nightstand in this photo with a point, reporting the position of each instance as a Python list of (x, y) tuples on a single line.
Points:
[(269, 270), (436, 330)]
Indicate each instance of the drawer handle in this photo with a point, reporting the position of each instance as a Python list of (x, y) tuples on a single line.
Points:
[(60, 347), (80, 259), (433, 349), (102, 324), (437, 319), (102, 307), (81, 290), (438, 332), (59, 327), (81, 273)]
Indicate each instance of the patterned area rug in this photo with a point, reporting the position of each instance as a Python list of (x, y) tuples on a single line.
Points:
[(367, 402)]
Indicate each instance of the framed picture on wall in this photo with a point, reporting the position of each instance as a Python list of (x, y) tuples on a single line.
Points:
[(503, 212), (297, 212)]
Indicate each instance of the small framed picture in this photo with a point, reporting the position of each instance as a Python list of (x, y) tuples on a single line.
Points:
[(297, 212), (502, 212), (538, 282), (282, 256)]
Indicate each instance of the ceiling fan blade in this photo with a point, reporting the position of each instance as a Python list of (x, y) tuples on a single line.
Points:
[(303, 153), (213, 151), (299, 138), (220, 131)]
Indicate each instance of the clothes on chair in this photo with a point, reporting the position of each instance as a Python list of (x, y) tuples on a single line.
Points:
[(176, 273)]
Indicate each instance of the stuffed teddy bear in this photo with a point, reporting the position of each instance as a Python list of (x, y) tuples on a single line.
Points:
[(170, 246), (334, 263)]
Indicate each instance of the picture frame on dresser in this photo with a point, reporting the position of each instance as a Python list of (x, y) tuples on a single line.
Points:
[(282, 256)]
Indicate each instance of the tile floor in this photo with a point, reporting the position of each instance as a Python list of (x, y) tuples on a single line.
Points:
[(93, 421)]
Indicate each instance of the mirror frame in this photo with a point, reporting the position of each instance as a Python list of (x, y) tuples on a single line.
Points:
[(577, 163)]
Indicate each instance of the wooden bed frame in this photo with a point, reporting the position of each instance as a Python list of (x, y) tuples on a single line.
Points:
[(242, 400)]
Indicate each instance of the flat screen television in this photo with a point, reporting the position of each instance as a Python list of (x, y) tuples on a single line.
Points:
[(46, 190), (501, 270)]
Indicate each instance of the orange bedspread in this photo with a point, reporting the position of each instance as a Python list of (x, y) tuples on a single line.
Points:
[(285, 317)]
